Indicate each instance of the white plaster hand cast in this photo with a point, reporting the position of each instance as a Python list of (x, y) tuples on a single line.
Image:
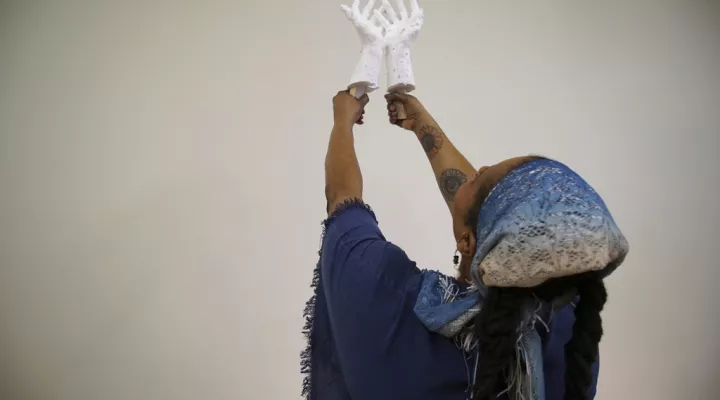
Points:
[(400, 32), (366, 76)]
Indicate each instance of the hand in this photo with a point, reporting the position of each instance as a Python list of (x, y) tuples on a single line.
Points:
[(367, 71), (370, 33), (413, 108), (400, 32), (403, 28), (348, 110)]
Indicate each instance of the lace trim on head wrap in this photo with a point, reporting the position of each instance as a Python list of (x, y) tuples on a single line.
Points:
[(543, 221)]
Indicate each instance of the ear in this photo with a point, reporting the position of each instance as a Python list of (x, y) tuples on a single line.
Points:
[(466, 245)]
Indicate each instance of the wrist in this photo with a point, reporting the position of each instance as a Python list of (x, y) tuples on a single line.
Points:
[(424, 119), (343, 125), (399, 67), (367, 70)]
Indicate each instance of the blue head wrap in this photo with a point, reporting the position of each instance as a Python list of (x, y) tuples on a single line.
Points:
[(541, 221)]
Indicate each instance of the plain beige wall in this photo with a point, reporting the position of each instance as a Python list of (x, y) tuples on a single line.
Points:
[(161, 178)]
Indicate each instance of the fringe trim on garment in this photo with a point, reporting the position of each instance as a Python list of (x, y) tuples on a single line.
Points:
[(519, 380), (308, 314), (465, 338), (309, 311)]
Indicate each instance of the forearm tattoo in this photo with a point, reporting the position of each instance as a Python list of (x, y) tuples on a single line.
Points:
[(450, 181), (431, 139)]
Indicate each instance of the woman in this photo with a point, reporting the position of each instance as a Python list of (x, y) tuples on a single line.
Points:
[(522, 319)]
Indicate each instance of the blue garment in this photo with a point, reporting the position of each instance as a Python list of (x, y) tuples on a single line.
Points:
[(366, 343), (541, 221)]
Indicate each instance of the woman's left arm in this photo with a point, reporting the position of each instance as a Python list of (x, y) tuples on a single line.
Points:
[(343, 179)]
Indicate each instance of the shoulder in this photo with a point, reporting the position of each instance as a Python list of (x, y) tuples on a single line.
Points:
[(350, 215), (354, 245)]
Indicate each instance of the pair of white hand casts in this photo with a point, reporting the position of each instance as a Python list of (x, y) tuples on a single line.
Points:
[(391, 37)]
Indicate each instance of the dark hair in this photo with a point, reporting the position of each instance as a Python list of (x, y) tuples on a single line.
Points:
[(496, 330), (497, 323), (471, 218)]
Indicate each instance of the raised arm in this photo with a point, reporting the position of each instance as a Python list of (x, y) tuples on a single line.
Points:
[(451, 168), (343, 179)]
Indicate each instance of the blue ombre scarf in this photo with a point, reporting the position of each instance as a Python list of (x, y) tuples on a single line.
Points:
[(541, 221)]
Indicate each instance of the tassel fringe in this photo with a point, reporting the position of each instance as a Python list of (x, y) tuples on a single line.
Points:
[(309, 311)]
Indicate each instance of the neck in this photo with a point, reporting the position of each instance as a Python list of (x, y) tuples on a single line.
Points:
[(463, 274)]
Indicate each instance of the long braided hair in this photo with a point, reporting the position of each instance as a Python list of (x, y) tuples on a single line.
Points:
[(496, 329)]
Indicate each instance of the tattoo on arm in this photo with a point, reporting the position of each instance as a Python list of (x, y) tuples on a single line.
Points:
[(431, 139), (450, 181)]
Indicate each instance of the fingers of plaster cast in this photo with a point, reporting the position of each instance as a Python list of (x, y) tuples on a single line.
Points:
[(367, 71), (390, 11), (400, 33), (383, 21), (415, 7), (389, 30), (368, 9), (401, 9)]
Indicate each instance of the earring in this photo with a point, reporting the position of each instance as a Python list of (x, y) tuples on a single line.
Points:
[(456, 258)]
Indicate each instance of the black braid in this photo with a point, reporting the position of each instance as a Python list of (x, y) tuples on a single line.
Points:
[(581, 352), (496, 326), (496, 330)]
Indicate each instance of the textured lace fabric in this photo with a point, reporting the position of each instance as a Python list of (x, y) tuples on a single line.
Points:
[(544, 221)]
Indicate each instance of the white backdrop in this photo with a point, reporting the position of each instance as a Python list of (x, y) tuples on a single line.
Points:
[(161, 179)]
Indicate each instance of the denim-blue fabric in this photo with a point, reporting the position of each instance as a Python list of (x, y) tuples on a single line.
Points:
[(366, 341), (550, 222), (542, 220)]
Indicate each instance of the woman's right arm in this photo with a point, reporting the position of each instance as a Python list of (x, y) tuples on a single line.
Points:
[(451, 168)]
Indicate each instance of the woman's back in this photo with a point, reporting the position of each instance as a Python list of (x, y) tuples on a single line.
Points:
[(366, 341)]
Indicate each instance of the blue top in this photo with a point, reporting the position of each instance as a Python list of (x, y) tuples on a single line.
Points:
[(366, 343)]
